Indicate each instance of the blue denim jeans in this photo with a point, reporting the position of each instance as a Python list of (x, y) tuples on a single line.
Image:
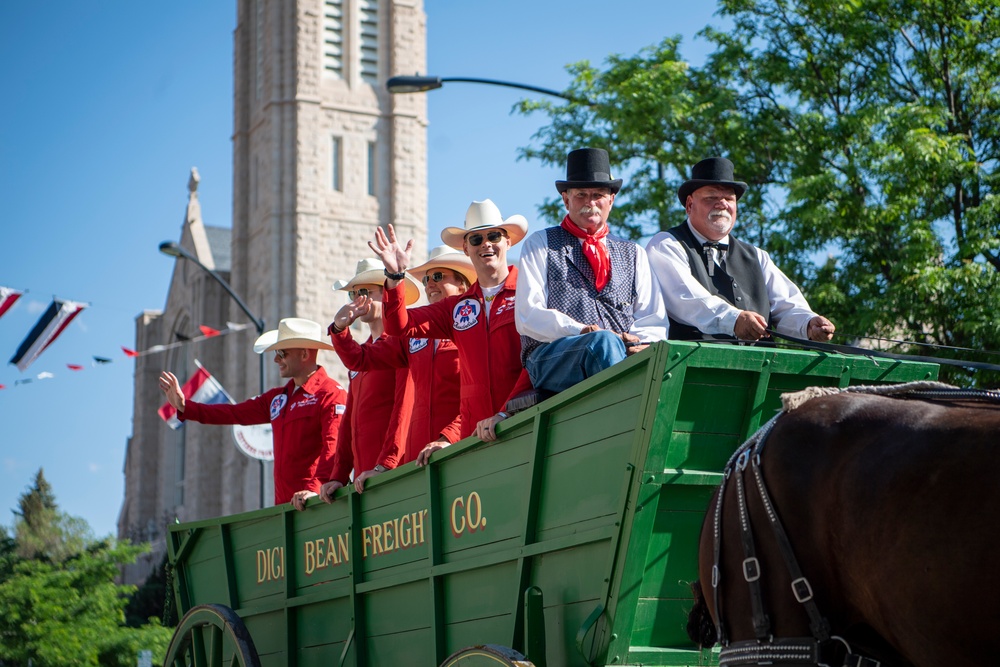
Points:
[(561, 364)]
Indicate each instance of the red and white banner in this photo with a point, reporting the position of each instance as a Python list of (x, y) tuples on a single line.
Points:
[(201, 388), (52, 323), (8, 296)]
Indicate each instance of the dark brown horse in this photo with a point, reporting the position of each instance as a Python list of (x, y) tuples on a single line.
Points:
[(891, 508)]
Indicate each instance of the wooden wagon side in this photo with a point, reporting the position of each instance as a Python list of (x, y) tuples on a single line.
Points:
[(593, 500)]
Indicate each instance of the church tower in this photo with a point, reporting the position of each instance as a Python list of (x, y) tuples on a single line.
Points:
[(322, 154)]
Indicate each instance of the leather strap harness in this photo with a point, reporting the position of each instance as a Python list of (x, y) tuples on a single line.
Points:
[(822, 646)]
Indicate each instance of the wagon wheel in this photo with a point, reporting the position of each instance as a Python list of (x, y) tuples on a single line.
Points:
[(489, 655), (211, 635)]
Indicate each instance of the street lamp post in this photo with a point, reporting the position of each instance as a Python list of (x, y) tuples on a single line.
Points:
[(420, 84), (172, 249)]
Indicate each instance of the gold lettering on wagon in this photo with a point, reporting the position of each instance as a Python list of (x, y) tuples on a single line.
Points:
[(398, 533), (270, 564), (467, 514)]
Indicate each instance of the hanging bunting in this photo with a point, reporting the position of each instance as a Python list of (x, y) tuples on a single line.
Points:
[(201, 388), (8, 295), (231, 327), (208, 331), (52, 323)]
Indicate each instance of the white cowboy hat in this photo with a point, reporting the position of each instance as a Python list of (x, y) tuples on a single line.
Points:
[(372, 272), (448, 258), (293, 332), (484, 215)]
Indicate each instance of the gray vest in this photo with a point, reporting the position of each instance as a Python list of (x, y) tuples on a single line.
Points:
[(741, 284), (570, 284)]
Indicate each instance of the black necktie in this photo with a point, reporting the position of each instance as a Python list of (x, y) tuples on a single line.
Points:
[(709, 260)]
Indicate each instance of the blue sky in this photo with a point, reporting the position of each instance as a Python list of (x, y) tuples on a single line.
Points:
[(107, 106)]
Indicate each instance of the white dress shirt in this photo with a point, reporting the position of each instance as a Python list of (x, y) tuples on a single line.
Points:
[(534, 319), (688, 301)]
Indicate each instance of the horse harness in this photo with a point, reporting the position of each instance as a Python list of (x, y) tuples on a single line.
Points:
[(822, 646)]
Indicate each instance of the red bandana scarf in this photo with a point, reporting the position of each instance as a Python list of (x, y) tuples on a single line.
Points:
[(595, 251)]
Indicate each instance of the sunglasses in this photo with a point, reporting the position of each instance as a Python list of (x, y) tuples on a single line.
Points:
[(355, 293), (281, 354), (476, 240), (437, 276)]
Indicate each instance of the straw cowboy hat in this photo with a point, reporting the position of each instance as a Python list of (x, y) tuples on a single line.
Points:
[(483, 215), (372, 272), (711, 171), (448, 258), (293, 332), (589, 168)]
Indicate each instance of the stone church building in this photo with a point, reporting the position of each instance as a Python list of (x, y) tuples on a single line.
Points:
[(322, 154)]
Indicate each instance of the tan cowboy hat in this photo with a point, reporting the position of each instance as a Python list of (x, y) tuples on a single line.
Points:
[(484, 215), (293, 332), (448, 258), (372, 272)]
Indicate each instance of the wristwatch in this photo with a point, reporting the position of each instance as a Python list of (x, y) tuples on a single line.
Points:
[(379, 468)]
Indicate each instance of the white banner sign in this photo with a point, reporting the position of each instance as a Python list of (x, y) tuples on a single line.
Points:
[(255, 441)]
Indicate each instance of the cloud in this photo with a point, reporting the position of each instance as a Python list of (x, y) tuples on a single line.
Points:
[(36, 307)]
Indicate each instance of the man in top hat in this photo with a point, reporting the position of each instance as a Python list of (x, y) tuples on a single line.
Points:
[(433, 362), (480, 321), (716, 286), (380, 401), (586, 298), (305, 413)]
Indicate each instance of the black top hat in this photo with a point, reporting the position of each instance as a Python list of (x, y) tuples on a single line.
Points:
[(711, 171), (589, 168)]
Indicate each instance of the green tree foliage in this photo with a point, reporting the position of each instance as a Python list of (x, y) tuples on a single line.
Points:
[(41, 530), (153, 600), (59, 603), (867, 129)]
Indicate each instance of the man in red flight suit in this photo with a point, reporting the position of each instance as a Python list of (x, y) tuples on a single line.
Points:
[(433, 363), (481, 321), (305, 414), (379, 402)]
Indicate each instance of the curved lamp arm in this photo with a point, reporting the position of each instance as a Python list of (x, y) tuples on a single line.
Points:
[(172, 249)]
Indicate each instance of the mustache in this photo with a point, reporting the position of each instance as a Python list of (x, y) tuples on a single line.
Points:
[(720, 214), (587, 210)]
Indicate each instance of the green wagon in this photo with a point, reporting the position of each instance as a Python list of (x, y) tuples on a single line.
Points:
[(572, 539)]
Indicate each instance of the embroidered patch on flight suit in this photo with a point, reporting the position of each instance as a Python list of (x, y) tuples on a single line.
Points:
[(308, 399), (417, 344), (352, 374), (508, 303), (466, 314), (340, 409), (277, 403)]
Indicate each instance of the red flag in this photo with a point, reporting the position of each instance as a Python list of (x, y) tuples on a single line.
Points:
[(8, 296), (74, 367), (208, 331), (200, 387), (129, 353)]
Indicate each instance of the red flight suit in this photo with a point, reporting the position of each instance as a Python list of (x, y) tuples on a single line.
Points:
[(305, 422), (489, 351)]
